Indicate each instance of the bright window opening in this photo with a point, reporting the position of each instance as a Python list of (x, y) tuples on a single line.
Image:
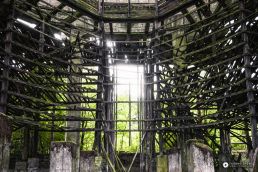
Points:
[(128, 95)]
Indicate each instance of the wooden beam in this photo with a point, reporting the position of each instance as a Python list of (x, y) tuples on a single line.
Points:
[(205, 9), (129, 28), (147, 28), (75, 5), (111, 28), (176, 9), (188, 16), (54, 12), (80, 8), (71, 19)]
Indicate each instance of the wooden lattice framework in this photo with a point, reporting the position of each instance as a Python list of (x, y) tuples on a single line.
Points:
[(200, 68)]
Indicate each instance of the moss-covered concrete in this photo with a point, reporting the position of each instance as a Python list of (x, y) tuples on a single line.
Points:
[(98, 163), (162, 163)]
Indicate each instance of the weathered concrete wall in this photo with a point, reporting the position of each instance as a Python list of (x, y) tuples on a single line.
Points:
[(4, 154), (199, 157), (61, 157), (87, 161), (162, 163), (174, 162)]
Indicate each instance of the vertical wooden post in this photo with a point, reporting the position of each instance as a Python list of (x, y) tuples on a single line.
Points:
[(5, 128), (158, 96), (8, 50), (130, 116), (100, 87), (99, 105), (74, 137), (249, 85), (26, 141), (36, 132)]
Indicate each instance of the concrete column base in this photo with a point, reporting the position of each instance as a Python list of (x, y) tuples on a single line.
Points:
[(20, 166), (87, 161), (61, 157), (199, 157), (174, 162), (4, 154), (33, 165), (162, 163)]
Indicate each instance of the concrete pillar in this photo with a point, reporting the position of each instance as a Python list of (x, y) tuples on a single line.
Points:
[(174, 162), (162, 163), (33, 165), (87, 161), (199, 157), (4, 153), (61, 157)]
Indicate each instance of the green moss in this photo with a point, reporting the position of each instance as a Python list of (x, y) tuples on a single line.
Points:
[(203, 147), (162, 163), (194, 141)]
